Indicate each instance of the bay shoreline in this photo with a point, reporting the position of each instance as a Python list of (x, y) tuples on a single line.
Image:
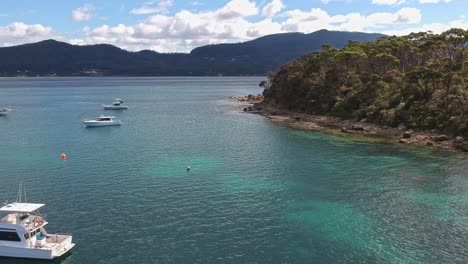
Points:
[(351, 129)]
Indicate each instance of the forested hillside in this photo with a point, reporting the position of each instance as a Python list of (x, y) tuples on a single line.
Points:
[(255, 57), (419, 81)]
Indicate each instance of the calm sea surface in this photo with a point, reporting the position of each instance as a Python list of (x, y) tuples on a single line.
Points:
[(258, 192)]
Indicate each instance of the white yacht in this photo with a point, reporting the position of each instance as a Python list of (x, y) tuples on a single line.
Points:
[(116, 105), (22, 234), (4, 111), (103, 121)]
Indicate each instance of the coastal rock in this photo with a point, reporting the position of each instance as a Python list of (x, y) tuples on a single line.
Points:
[(406, 134), (297, 118), (344, 130), (245, 109), (357, 128), (404, 141), (461, 146), (439, 138), (459, 139), (401, 127), (430, 143), (364, 120)]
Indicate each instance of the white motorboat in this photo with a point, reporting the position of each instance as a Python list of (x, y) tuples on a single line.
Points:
[(116, 105), (102, 121), (22, 234), (4, 111)]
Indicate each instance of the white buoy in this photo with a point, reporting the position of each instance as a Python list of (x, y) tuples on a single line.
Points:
[(189, 168)]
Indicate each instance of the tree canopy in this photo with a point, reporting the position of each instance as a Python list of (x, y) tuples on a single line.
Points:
[(418, 80)]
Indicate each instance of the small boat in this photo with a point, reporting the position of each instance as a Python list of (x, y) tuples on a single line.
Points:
[(22, 234), (102, 121), (4, 111), (116, 105)]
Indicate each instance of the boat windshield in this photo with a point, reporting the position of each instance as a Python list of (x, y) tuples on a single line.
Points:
[(103, 119)]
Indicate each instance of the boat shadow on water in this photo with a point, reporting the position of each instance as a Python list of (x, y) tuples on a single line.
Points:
[(64, 259)]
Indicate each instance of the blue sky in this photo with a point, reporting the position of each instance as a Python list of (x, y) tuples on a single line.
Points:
[(179, 26)]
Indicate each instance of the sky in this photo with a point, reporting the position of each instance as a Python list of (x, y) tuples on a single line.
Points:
[(180, 26)]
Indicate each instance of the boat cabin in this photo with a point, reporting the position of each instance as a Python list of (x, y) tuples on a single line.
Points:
[(22, 233), (104, 118), (21, 226), (117, 102)]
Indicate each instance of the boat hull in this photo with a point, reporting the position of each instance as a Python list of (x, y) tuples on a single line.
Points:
[(100, 124), (33, 253), (2, 113), (113, 107)]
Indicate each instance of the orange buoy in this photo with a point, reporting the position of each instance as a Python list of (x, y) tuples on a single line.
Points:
[(63, 156)]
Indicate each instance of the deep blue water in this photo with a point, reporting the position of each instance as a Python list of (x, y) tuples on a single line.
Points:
[(258, 192)]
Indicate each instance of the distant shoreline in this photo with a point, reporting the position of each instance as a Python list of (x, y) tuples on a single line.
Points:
[(352, 129), (130, 76)]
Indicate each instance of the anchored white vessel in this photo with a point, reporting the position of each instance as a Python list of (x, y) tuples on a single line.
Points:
[(22, 234), (103, 121), (4, 111), (116, 105)]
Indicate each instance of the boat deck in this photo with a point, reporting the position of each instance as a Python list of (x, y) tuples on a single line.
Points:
[(30, 222)]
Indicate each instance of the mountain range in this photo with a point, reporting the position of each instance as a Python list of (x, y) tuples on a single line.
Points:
[(255, 57)]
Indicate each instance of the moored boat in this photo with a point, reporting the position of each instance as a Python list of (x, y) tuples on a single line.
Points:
[(22, 234), (102, 121), (116, 105), (4, 111)]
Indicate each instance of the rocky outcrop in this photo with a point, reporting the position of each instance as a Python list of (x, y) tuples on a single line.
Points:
[(404, 141), (440, 138), (461, 146), (406, 134), (357, 128)]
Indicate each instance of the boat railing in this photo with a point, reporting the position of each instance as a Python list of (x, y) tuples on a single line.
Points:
[(58, 238)]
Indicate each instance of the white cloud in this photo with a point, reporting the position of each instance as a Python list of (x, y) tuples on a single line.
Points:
[(237, 8), (19, 33), (434, 1), (84, 13), (186, 30), (388, 2), (436, 28), (161, 6), (328, 1), (273, 8), (317, 18)]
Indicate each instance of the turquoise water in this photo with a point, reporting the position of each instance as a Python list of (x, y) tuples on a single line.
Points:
[(258, 192)]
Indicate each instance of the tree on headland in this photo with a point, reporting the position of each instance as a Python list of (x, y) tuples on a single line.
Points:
[(418, 80)]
